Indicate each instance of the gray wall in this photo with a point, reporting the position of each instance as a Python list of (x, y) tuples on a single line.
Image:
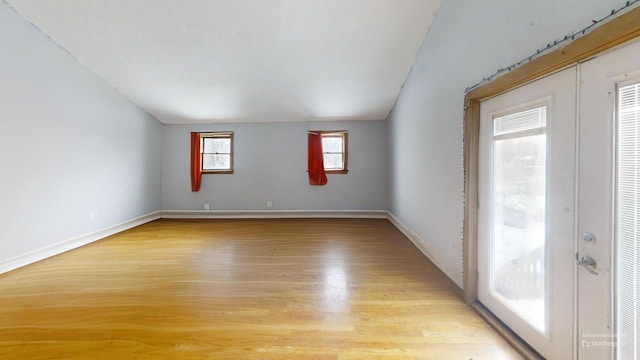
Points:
[(69, 145), (271, 164), (468, 40)]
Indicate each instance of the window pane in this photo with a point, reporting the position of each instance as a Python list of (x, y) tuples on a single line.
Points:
[(217, 145), (332, 144), (628, 223), (333, 161), (518, 276), (216, 162), (520, 121)]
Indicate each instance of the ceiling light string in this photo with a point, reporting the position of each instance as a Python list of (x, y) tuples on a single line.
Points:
[(552, 45)]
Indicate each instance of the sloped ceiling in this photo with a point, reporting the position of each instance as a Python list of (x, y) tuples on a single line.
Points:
[(202, 61)]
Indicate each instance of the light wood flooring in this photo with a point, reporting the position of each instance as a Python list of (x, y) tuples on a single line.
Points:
[(242, 289)]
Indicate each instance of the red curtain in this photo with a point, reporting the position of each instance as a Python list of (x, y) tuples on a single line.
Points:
[(196, 162), (317, 175)]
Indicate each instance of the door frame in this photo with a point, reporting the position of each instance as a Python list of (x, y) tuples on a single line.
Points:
[(620, 30)]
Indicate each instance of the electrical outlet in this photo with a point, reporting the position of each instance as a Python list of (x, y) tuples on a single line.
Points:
[(206, 206), (269, 204)]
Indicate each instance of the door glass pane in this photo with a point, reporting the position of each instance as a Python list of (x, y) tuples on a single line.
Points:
[(628, 223), (520, 121), (518, 276)]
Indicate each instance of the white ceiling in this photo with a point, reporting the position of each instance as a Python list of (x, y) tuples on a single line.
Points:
[(193, 61)]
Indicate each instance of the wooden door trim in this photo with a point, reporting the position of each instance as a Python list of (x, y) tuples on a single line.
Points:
[(622, 29)]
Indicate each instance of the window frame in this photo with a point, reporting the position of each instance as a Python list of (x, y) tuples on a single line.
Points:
[(217, 135), (345, 149)]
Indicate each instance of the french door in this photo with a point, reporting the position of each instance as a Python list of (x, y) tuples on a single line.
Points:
[(527, 211), (609, 206), (559, 209)]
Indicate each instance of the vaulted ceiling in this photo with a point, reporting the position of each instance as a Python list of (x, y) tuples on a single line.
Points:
[(202, 61)]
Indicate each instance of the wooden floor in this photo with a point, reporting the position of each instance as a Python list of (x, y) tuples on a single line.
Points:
[(242, 289)]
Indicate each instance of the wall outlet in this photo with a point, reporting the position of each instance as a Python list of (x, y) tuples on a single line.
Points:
[(94, 214), (206, 206), (269, 204)]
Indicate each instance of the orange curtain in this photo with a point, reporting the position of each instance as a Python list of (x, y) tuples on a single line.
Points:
[(317, 175), (196, 162)]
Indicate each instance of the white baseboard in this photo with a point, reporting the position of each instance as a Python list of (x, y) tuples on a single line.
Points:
[(273, 214), (426, 249), (70, 244)]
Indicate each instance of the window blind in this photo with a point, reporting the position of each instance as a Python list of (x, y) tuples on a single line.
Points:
[(628, 222), (520, 121)]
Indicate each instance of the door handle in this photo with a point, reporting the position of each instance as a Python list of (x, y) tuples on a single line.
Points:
[(588, 263)]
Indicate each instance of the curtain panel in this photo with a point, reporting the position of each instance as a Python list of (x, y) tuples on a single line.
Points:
[(196, 162), (317, 175)]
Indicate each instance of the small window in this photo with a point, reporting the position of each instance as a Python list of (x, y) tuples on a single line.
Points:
[(217, 152), (334, 151)]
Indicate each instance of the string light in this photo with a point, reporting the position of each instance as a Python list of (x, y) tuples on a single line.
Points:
[(552, 45)]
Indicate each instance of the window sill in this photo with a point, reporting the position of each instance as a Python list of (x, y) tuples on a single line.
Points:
[(217, 172), (330, 172)]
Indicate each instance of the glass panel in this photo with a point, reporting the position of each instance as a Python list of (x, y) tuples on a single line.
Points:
[(332, 144), (521, 121), (628, 223), (217, 145), (333, 161), (216, 162), (518, 268)]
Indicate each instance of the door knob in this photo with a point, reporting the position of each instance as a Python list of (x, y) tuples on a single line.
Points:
[(588, 263)]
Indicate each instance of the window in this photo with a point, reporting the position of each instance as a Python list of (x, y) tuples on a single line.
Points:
[(217, 152), (334, 151), (628, 221), (518, 239)]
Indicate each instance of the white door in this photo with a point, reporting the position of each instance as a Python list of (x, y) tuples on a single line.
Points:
[(609, 212), (526, 214)]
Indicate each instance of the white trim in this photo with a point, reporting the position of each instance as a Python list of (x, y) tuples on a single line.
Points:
[(73, 243), (426, 249), (273, 214)]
